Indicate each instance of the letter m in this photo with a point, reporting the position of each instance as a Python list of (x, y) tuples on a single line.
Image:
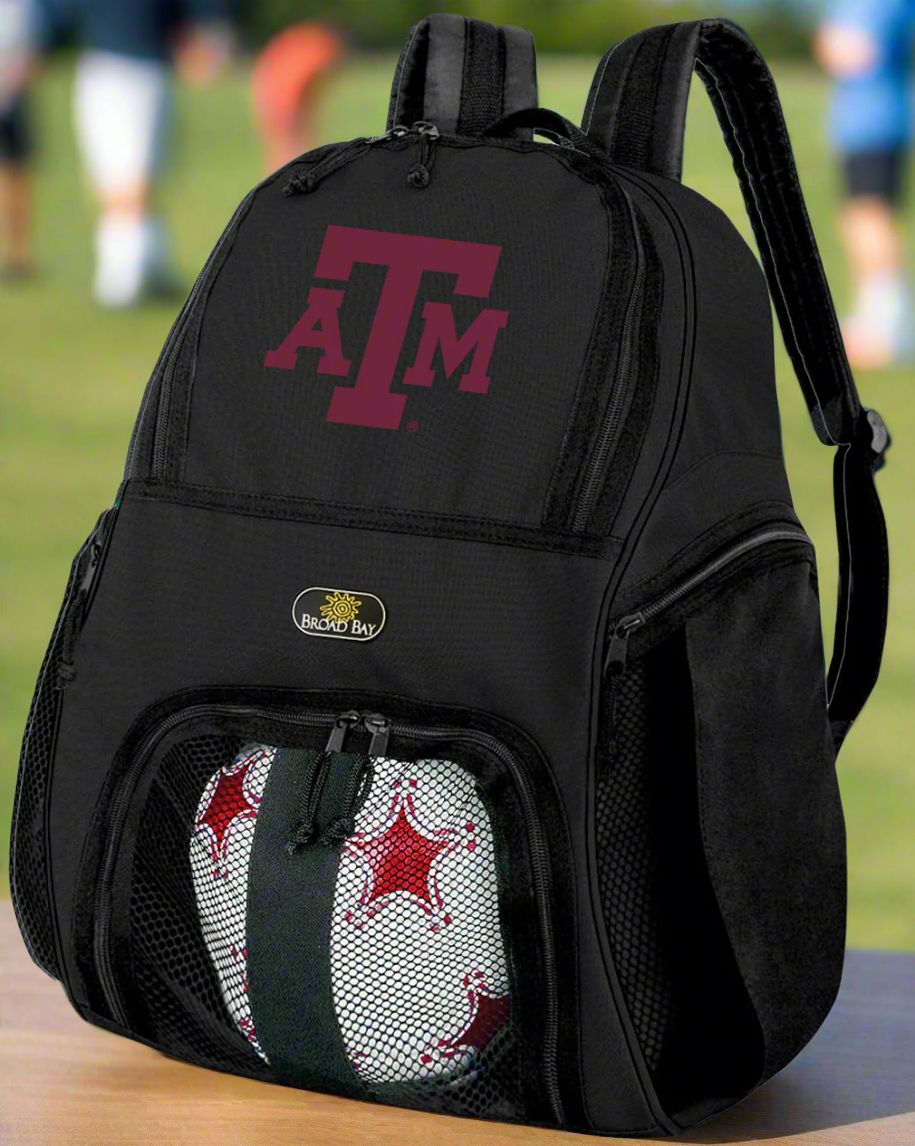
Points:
[(479, 337)]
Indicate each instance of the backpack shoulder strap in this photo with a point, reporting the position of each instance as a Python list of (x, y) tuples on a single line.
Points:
[(636, 110), (462, 75)]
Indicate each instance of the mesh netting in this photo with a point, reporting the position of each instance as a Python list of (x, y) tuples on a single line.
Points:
[(175, 995), (627, 866), (28, 851), (419, 969)]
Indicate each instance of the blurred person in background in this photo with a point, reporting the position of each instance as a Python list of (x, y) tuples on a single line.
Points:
[(284, 89), (19, 39), (866, 45), (122, 97)]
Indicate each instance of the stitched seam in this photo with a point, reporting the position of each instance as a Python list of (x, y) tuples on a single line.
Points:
[(599, 79), (361, 519), (395, 111)]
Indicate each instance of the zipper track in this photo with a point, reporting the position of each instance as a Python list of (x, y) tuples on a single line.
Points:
[(621, 628), (536, 844), (592, 480), (160, 438)]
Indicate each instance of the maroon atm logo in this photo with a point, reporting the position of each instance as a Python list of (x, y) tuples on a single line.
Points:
[(371, 402)]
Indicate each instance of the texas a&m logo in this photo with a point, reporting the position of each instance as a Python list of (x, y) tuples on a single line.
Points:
[(371, 402)]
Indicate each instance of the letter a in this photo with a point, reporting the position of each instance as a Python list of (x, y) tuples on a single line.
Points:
[(479, 337), (322, 308)]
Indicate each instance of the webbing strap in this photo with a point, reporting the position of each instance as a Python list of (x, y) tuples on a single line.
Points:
[(290, 900), (462, 75), (637, 110)]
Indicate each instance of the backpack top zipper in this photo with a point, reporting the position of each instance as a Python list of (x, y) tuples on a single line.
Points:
[(419, 175)]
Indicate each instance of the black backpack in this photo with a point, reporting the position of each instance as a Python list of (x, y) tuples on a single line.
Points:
[(439, 715)]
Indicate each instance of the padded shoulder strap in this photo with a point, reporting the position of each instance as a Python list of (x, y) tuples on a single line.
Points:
[(637, 111), (463, 75)]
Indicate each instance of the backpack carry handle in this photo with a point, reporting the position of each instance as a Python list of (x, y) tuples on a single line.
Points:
[(462, 75), (636, 110), (550, 124)]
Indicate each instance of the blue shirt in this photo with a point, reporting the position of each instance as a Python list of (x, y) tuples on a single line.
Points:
[(144, 29), (873, 111)]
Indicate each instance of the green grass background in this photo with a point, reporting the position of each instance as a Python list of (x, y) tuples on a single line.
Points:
[(72, 377)]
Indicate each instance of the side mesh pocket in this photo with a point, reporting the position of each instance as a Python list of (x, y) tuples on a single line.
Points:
[(686, 1000), (720, 841), (28, 837)]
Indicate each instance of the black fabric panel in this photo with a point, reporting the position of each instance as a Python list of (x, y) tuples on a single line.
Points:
[(520, 89), (462, 74), (290, 899), (406, 105), (444, 78), (637, 102), (772, 822)]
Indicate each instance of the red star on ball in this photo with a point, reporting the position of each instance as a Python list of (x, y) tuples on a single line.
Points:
[(229, 803), (401, 858)]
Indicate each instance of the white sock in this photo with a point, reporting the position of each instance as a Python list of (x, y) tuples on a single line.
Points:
[(121, 246), (883, 311)]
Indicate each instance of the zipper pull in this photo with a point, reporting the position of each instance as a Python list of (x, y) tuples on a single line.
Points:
[(380, 728), (614, 667), (75, 616), (354, 793), (344, 722), (420, 174), (312, 784), (335, 785), (618, 645), (304, 182)]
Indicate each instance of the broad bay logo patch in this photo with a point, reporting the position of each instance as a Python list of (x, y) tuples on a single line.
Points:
[(343, 614)]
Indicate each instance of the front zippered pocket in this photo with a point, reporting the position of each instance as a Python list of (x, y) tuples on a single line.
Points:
[(332, 762)]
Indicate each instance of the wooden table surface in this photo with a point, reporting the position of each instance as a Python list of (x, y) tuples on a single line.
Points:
[(64, 1083)]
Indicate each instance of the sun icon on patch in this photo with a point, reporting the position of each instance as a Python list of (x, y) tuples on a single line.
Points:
[(340, 607)]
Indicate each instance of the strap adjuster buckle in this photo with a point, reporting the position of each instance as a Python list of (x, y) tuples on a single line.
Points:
[(874, 433)]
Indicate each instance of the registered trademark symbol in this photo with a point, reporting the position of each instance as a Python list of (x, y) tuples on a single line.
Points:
[(412, 426)]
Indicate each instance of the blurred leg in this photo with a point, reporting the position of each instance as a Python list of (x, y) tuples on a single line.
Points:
[(121, 107), (867, 51), (16, 189), (285, 89), (16, 193), (878, 329)]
